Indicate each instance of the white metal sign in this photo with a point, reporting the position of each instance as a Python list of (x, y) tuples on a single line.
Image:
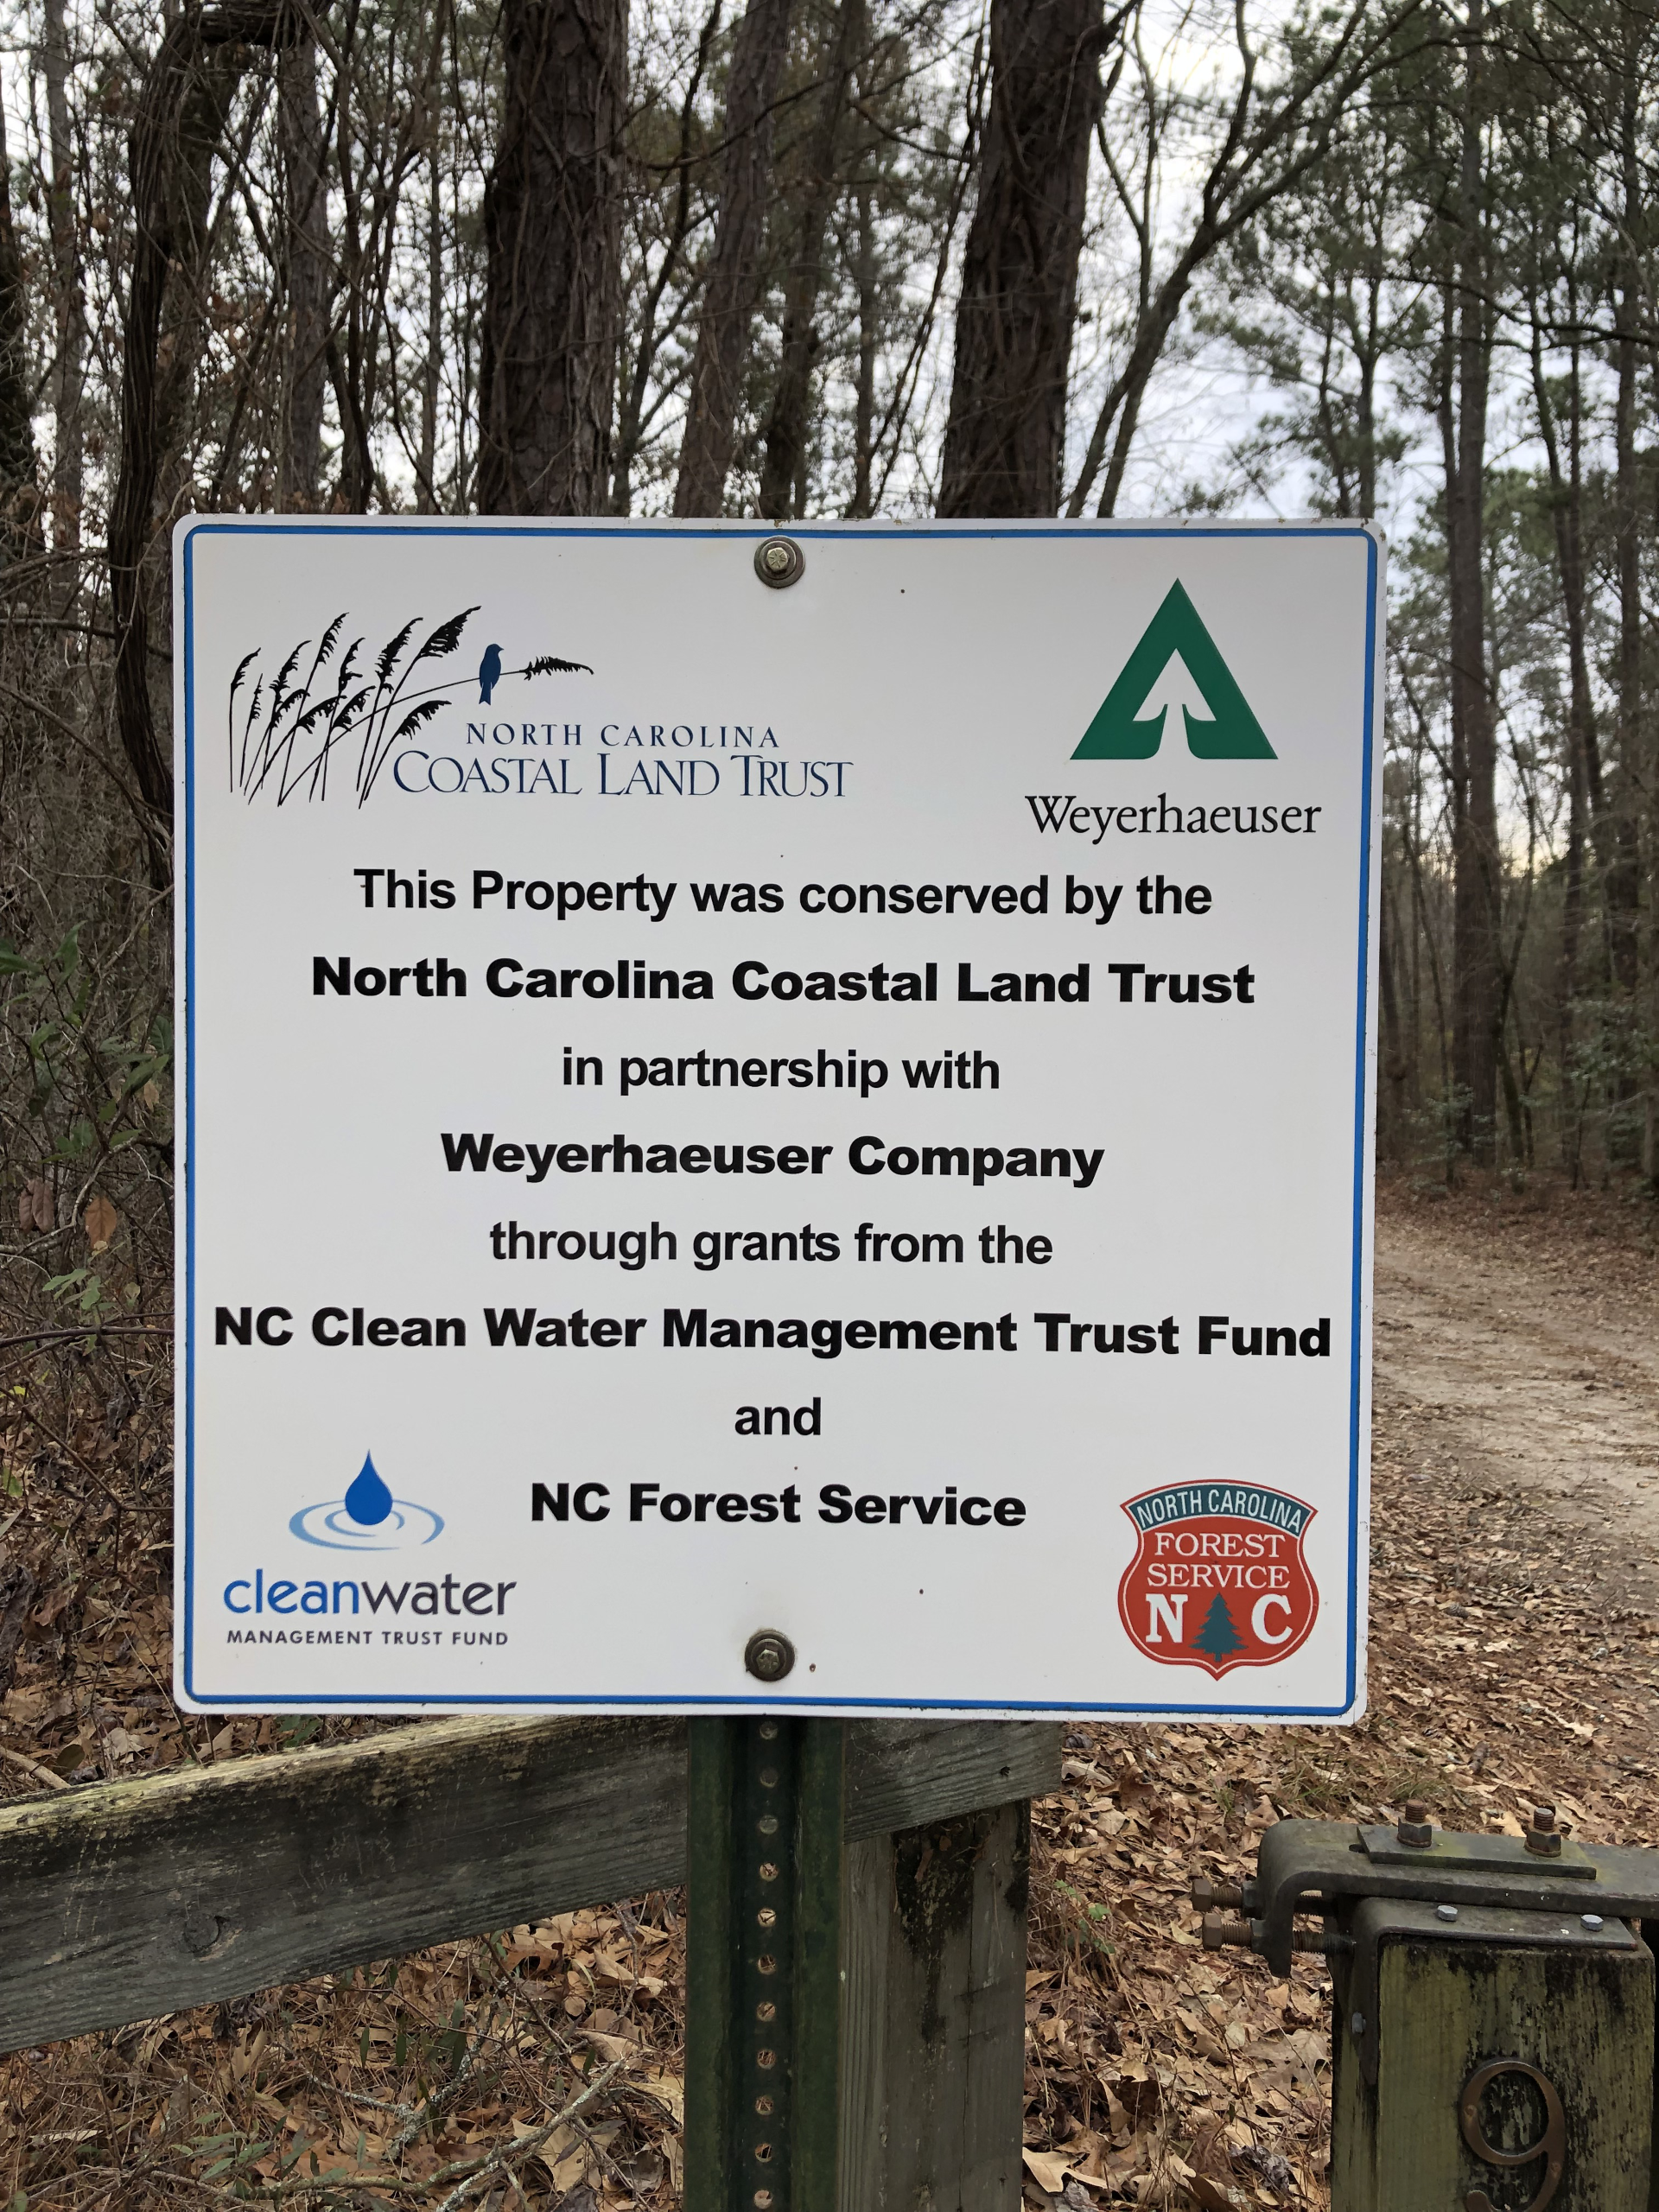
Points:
[(819, 1088)]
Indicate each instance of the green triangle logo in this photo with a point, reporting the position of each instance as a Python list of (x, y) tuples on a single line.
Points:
[(1229, 732)]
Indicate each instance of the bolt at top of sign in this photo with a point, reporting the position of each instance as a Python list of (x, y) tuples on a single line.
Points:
[(780, 561)]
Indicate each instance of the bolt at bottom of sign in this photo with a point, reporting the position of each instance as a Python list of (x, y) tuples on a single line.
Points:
[(769, 1655)]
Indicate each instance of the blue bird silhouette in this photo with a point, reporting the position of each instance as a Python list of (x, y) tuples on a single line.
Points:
[(489, 673)]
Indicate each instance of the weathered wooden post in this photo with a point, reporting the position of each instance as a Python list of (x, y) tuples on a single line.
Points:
[(933, 2014), (1492, 2025)]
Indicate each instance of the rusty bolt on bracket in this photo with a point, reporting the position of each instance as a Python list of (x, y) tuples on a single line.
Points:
[(1220, 1932), (1415, 1829), (1206, 1893), (1543, 1838)]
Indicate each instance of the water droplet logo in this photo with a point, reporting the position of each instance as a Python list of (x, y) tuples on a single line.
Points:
[(367, 1519), (368, 1501)]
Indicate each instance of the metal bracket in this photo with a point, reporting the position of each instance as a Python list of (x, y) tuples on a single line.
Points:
[(1373, 1921), (1453, 1853), (1316, 1866)]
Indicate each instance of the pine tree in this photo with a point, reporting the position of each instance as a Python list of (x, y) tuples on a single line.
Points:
[(1218, 1637)]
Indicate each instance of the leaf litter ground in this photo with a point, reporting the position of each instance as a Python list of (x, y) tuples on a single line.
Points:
[(1514, 1653)]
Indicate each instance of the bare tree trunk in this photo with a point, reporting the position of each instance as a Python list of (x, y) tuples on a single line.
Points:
[(1391, 1108), (19, 490), (432, 368), (1476, 881), (1005, 440), (733, 287), (637, 384), (305, 187), (159, 154), (868, 339), (782, 487), (553, 234), (69, 376), (1584, 791), (1624, 875), (1369, 359)]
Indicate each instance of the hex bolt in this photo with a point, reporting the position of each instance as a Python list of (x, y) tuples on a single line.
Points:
[(1414, 1829), (1592, 1921), (769, 1655), (780, 561), (1357, 2026), (1207, 1894), (1327, 1942), (1446, 1912), (1542, 1839), (1220, 1932)]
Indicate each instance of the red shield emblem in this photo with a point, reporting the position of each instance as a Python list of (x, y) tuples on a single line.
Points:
[(1217, 1580)]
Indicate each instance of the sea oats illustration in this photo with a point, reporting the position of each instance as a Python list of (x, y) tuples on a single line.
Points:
[(281, 742)]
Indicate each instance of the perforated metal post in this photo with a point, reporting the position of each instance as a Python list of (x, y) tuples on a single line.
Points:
[(763, 2000)]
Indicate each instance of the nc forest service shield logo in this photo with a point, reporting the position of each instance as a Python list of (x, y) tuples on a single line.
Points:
[(1217, 1580)]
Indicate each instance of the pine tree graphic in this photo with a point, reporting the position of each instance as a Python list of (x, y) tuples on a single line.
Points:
[(1218, 1637)]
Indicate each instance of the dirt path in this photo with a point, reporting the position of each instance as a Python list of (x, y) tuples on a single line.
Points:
[(1524, 1360)]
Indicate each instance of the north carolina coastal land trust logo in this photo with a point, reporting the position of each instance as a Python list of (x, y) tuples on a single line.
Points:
[(333, 706), (1217, 1580), (367, 1519), (1176, 664)]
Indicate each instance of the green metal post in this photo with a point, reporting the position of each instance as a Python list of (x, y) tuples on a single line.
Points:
[(763, 1998)]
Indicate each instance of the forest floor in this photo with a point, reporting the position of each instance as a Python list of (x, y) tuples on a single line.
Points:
[(1514, 1657)]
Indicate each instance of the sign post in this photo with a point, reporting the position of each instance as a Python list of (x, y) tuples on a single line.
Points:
[(756, 1105), (763, 1968)]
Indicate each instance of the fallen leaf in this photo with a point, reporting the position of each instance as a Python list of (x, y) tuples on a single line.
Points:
[(1049, 2169), (1215, 2195), (611, 2047), (670, 2089), (101, 1220)]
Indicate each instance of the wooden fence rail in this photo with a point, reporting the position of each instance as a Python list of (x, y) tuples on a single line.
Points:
[(127, 1900)]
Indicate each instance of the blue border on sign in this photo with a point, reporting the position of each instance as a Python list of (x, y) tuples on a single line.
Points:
[(771, 1701)]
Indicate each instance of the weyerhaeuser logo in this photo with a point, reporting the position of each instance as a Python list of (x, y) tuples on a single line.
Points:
[(284, 731), (1175, 665), (367, 1519)]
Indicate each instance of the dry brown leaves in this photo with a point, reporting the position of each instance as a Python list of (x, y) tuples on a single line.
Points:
[(521, 2068)]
